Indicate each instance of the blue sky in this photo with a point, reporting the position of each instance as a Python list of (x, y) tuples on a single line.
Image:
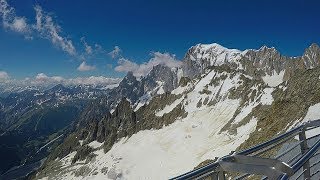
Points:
[(140, 28)]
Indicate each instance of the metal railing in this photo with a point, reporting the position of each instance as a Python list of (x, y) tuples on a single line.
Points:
[(291, 155)]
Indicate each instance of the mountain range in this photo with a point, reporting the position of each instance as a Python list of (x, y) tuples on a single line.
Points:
[(172, 119)]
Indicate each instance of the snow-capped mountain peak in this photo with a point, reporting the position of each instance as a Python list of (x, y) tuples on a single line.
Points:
[(215, 53), (201, 56)]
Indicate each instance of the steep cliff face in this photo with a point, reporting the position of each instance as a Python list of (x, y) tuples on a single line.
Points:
[(140, 91), (311, 56), (229, 100), (267, 61), (162, 78)]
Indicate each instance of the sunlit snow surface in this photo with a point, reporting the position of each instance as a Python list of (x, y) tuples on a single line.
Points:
[(172, 150), (178, 147), (217, 54), (266, 98), (313, 114), (274, 80), (169, 108)]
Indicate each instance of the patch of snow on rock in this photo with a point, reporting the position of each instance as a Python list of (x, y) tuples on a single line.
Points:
[(312, 114), (244, 112), (160, 91), (273, 80), (247, 129), (180, 90), (145, 99), (95, 144), (169, 108), (266, 98), (67, 161)]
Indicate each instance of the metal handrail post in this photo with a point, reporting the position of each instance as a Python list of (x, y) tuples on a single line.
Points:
[(304, 148), (221, 175)]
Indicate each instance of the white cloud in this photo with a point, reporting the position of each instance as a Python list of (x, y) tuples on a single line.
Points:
[(43, 78), (20, 25), (125, 65), (115, 52), (48, 29), (87, 47), (85, 67), (4, 76), (13, 22), (46, 26)]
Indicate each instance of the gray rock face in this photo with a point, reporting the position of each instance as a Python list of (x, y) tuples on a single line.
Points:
[(160, 74), (311, 56), (129, 88), (133, 89), (266, 60), (309, 60)]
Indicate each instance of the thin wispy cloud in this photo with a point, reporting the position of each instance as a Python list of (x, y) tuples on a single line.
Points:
[(87, 47), (45, 26), (125, 65), (19, 24), (85, 67), (115, 52), (50, 30), (91, 51), (13, 22)]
